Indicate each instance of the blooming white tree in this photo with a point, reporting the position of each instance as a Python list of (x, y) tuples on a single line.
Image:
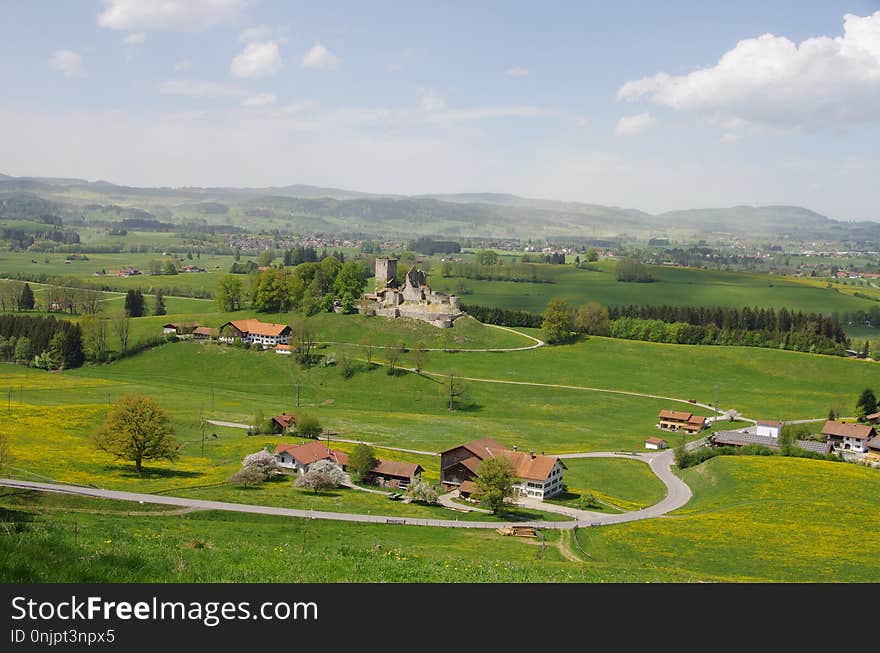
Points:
[(322, 475), (423, 492), (262, 461)]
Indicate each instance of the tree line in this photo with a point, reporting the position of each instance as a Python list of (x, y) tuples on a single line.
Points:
[(503, 316), (42, 341), (518, 272)]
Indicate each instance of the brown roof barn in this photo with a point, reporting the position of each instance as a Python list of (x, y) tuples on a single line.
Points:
[(843, 430)]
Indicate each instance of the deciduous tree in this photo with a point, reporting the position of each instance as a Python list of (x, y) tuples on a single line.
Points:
[(138, 429), (494, 482), (361, 461), (322, 475), (557, 321)]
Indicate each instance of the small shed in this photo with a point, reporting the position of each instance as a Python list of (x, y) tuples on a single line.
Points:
[(656, 443)]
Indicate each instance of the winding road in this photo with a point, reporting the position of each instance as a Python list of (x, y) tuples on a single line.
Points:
[(678, 494)]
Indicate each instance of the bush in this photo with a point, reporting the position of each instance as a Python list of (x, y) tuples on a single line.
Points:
[(262, 461), (308, 426), (588, 501), (247, 477), (422, 492)]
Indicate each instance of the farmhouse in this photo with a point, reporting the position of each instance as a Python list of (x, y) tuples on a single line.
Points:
[(255, 332), (414, 299), (848, 437), (283, 349), (656, 443), (675, 420), (873, 418), (296, 458), (387, 473), (179, 328), (538, 476), (873, 454), (284, 423)]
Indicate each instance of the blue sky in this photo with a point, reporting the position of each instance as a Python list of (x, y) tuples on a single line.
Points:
[(655, 106)]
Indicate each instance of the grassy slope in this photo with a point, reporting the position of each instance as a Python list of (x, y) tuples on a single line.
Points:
[(40, 546), (674, 286), (759, 519), (625, 484)]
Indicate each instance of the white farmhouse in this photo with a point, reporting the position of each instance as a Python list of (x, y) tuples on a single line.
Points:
[(769, 428), (296, 458), (848, 437)]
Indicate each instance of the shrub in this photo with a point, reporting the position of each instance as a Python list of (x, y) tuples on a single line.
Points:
[(247, 477)]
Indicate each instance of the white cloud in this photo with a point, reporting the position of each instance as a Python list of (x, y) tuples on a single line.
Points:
[(822, 81), (517, 71), (68, 62), (259, 100), (629, 125), (319, 57), (135, 39), (730, 139), (194, 88), (168, 15), (430, 100), (259, 59), (257, 33)]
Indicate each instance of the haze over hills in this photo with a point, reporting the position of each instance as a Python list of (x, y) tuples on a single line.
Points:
[(310, 209)]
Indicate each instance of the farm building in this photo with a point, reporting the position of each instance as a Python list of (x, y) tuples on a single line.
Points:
[(205, 333), (255, 332), (179, 328), (538, 476), (750, 436), (675, 420), (283, 349), (848, 437), (296, 458), (769, 428), (656, 443), (284, 423), (387, 473)]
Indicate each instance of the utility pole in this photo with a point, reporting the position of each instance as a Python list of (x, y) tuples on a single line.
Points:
[(297, 394), (716, 402)]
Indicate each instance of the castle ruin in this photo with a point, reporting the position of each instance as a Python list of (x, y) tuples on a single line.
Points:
[(414, 299)]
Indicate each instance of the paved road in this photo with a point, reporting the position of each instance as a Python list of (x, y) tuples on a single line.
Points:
[(678, 494)]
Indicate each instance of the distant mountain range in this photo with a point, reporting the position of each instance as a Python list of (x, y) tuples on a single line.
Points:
[(306, 208)]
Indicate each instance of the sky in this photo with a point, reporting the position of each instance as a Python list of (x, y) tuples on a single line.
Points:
[(646, 105)]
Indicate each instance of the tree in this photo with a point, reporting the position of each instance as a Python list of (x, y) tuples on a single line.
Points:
[(135, 306), (89, 300), (592, 255), (630, 270), (346, 362), (303, 339), (262, 461), (26, 299), (246, 477), (494, 482), (169, 267), (418, 356), (592, 319), (138, 429), (682, 455), (308, 425), (422, 492), (159, 308), (361, 461), (155, 266), (229, 293), (588, 501), (322, 475), (455, 390), (67, 347), (392, 357), (94, 330), (866, 405), (122, 325), (24, 351), (351, 279), (557, 321), (487, 257)]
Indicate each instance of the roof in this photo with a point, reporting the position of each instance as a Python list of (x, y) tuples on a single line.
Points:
[(305, 454), (341, 457), (472, 463), (284, 420), (699, 420), (741, 439), (259, 328), (814, 445), (677, 415), (205, 331), (527, 465), (873, 416), (282, 347), (654, 440), (843, 430), (769, 422), (874, 443), (480, 447), (396, 468), (468, 487)]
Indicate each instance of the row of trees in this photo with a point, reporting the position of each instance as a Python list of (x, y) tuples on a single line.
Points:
[(738, 319), (633, 271), (42, 341), (308, 288), (518, 272)]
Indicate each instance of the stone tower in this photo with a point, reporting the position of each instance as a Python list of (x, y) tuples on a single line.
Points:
[(386, 272)]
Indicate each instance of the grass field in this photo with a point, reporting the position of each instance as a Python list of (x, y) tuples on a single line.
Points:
[(617, 483), (98, 541), (758, 519), (673, 286)]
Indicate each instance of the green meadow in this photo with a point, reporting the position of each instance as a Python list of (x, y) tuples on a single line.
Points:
[(757, 519), (673, 286)]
